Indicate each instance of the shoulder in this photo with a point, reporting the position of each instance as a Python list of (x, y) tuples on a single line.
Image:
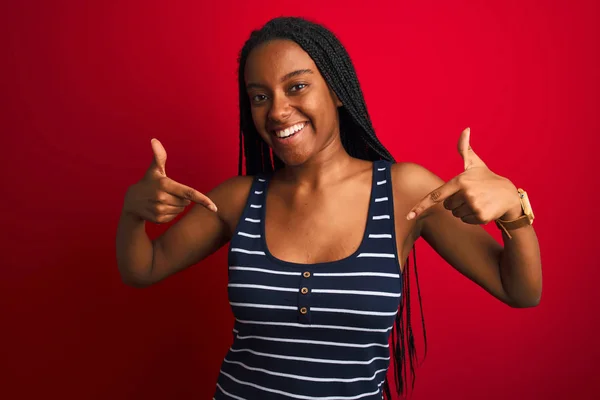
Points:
[(413, 177), (230, 197), (234, 185), (413, 182)]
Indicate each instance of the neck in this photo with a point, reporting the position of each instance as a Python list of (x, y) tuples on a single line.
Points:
[(328, 165)]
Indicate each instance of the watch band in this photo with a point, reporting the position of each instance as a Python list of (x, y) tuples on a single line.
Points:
[(506, 226), (525, 219)]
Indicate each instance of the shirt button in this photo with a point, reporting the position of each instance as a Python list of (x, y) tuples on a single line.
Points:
[(307, 274), (304, 290), (303, 310)]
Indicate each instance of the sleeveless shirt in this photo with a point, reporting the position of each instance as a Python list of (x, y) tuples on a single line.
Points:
[(311, 331)]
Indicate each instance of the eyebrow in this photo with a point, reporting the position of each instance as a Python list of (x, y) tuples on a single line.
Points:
[(283, 79)]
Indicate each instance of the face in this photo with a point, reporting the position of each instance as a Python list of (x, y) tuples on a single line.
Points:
[(293, 108)]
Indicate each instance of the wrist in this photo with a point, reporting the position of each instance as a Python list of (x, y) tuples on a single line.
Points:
[(131, 217), (515, 211)]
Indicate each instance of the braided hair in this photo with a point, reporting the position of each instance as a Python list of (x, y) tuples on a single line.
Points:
[(357, 136)]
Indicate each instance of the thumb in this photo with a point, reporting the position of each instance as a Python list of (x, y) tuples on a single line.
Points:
[(466, 151), (160, 157)]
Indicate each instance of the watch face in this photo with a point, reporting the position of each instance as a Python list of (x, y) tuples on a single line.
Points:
[(527, 210)]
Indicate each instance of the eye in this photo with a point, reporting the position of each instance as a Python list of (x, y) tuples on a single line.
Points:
[(298, 86), (258, 98)]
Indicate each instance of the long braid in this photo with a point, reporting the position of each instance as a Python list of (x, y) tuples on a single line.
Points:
[(357, 136)]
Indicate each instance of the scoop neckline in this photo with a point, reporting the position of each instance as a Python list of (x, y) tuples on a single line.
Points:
[(292, 264)]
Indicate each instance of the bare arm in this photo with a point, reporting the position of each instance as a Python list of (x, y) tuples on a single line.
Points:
[(134, 250), (511, 273), (199, 233), (448, 216)]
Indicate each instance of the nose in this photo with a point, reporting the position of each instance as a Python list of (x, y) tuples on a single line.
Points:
[(280, 109)]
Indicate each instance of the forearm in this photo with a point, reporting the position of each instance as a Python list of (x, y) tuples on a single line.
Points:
[(134, 251), (521, 267)]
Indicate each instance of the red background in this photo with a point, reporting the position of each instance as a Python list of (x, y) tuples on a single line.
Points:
[(86, 86)]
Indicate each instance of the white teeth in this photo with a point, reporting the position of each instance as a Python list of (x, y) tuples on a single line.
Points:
[(290, 131)]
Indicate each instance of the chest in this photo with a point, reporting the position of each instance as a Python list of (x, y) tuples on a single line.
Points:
[(318, 228), (331, 225)]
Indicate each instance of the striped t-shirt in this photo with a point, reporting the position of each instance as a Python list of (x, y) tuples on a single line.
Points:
[(311, 331)]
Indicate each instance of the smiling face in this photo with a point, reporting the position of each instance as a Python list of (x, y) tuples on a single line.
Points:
[(293, 108)]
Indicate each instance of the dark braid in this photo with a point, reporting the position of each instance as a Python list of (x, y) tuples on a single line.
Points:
[(357, 136)]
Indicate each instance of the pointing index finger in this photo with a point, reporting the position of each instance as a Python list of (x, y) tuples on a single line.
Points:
[(188, 193), (434, 197)]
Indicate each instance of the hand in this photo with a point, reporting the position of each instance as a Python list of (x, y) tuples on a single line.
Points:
[(477, 195), (156, 197)]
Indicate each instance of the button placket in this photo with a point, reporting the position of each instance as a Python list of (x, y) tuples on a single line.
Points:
[(304, 294)]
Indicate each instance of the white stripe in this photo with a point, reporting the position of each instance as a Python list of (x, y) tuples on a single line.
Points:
[(270, 306), (380, 236), (258, 192), (381, 182), (312, 326), (320, 342), (297, 396), (383, 274), (255, 205), (235, 331), (268, 271), (380, 199), (377, 217), (248, 235), (261, 180), (309, 359), (305, 378), (359, 292), (381, 169), (278, 289), (376, 255), (321, 309), (236, 250), (256, 221), (229, 394), (357, 312)]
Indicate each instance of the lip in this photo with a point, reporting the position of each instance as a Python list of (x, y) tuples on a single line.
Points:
[(274, 129), (290, 140)]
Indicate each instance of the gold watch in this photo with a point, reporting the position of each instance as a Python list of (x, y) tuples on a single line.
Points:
[(524, 220)]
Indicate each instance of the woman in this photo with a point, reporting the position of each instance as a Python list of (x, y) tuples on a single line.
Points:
[(319, 225)]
